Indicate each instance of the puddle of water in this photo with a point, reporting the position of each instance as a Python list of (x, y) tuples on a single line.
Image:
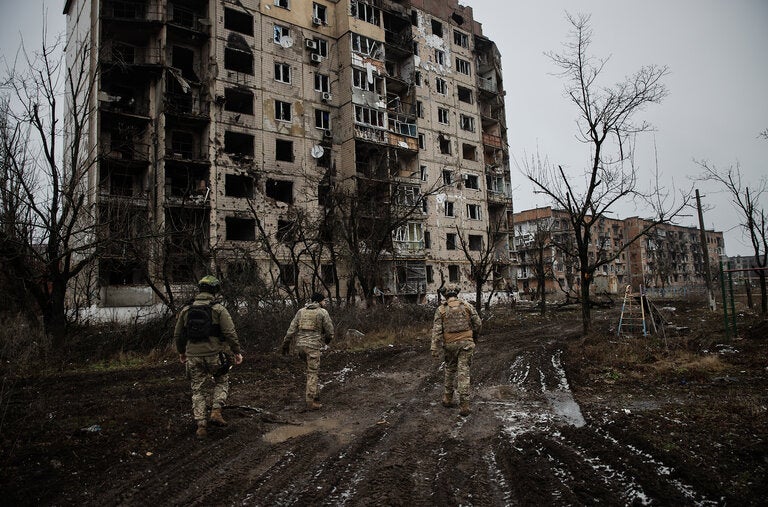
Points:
[(283, 433), (565, 407)]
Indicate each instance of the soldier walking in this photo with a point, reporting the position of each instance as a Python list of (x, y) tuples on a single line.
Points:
[(456, 324), (311, 327), (205, 340)]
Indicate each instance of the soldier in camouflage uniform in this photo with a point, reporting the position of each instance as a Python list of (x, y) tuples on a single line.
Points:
[(456, 324), (311, 326), (208, 358)]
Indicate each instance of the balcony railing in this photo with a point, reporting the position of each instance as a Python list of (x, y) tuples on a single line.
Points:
[(130, 11), (127, 151), (187, 18), (186, 104), (492, 140)]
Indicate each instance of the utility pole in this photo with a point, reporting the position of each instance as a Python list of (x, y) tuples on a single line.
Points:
[(705, 252)]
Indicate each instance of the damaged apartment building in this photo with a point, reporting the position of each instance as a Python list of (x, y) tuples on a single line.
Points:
[(347, 146)]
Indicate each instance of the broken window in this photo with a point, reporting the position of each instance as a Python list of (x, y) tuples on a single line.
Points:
[(473, 212), (441, 86), (319, 13), (442, 115), (184, 60), (286, 231), (468, 151), (238, 186), (437, 28), (475, 242), (427, 239), (360, 81), (238, 21), (447, 177), (238, 61), (467, 123), (465, 94), (471, 181), (328, 273), (283, 72), (445, 144), (280, 190), (365, 12), (282, 111), (366, 46), (449, 209), (322, 47), (460, 39), (430, 274), (240, 229), (423, 173), (285, 4), (417, 77), (237, 143), (453, 273), (279, 32), (284, 150), (422, 142), (419, 109), (450, 241), (463, 67), (238, 100), (368, 116), (288, 275), (439, 57), (183, 144)]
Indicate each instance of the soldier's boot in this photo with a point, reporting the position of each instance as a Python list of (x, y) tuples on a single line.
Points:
[(202, 431), (313, 405), (216, 417), (447, 400), (464, 408)]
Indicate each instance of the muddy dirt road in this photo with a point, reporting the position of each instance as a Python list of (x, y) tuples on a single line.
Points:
[(382, 437)]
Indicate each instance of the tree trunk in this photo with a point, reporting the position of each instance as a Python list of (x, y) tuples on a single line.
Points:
[(478, 297), (586, 319), (763, 294), (55, 316)]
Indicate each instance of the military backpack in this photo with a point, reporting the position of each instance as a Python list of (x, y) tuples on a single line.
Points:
[(200, 323)]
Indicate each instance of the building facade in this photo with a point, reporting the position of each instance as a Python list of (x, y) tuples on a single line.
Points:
[(336, 145), (666, 256)]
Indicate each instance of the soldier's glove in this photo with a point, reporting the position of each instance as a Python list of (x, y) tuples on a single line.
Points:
[(286, 348)]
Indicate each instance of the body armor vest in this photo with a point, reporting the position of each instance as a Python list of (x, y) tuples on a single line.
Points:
[(308, 320), (456, 318)]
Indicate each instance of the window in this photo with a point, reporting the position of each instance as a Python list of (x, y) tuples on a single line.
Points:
[(417, 78), (319, 13), (286, 230), (238, 144), (238, 186), (445, 144), (283, 150), (410, 236), (328, 273), (285, 4), (463, 67), (282, 111), (280, 190), (280, 31), (365, 12), (322, 119), (422, 142), (475, 242), (423, 173), (415, 48), (447, 178), (407, 195), (453, 273), (238, 100), (368, 116), (450, 241), (449, 209), (441, 86), (442, 115), (283, 72), (439, 57), (437, 28), (467, 123), (465, 94), (238, 21), (471, 181), (468, 152), (460, 39), (365, 46), (238, 61), (430, 273), (424, 205), (240, 229), (360, 81), (288, 273), (322, 83), (322, 47), (184, 59), (473, 212)]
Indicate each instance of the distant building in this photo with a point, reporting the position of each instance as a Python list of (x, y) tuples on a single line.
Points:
[(667, 256), (226, 127)]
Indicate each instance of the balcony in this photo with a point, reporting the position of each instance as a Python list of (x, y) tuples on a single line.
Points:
[(371, 134), (126, 152), (127, 56), (186, 105), (188, 20), (125, 11), (493, 141)]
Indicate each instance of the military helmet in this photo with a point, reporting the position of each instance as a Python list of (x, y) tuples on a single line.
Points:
[(451, 290), (209, 283)]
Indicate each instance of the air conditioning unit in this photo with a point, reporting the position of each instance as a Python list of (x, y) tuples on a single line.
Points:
[(310, 44), (327, 134), (317, 21), (327, 97), (316, 58)]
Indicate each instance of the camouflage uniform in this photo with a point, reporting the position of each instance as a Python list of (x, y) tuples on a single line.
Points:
[(203, 358), (454, 325), (311, 326)]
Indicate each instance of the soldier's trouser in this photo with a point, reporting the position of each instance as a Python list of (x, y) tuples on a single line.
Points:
[(199, 370), (458, 360), (312, 357)]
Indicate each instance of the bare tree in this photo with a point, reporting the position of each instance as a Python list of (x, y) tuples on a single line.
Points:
[(746, 200), (50, 238), (606, 123)]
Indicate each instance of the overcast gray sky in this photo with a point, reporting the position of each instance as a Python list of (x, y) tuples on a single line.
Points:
[(717, 105)]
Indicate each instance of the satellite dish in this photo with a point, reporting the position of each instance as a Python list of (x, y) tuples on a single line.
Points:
[(286, 41), (317, 151)]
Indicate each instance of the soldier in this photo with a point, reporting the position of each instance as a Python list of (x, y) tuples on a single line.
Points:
[(311, 326), (456, 325), (205, 339)]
